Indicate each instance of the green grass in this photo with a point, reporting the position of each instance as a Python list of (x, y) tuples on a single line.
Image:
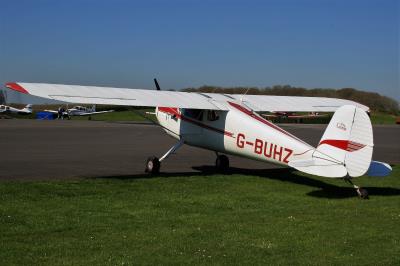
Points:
[(114, 116), (270, 217), (376, 118), (382, 118)]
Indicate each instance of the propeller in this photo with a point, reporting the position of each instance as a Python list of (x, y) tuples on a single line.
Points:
[(157, 86)]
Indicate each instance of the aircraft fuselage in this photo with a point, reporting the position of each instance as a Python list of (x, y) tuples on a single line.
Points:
[(238, 131)]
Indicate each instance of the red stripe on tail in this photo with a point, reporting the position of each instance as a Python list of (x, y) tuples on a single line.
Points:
[(343, 144)]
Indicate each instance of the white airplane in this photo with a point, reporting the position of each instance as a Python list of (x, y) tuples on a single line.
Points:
[(230, 124), (8, 109), (80, 111)]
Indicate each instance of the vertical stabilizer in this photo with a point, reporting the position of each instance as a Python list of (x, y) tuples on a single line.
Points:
[(348, 139), (345, 148)]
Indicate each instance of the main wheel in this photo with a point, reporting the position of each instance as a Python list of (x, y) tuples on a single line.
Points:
[(222, 163), (362, 193), (153, 165)]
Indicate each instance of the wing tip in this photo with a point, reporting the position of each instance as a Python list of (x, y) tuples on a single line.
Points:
[(16, 87)]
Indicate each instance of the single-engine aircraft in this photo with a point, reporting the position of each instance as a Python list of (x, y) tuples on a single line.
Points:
[(8, 109), (230, 124), (80, 111)]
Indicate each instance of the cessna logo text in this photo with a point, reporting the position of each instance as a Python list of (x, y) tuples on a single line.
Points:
[(341, 126)]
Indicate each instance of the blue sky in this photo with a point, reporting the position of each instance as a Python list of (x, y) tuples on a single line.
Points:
[(309, 43)]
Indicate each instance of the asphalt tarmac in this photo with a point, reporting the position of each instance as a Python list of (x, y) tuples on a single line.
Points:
[(32, 150)]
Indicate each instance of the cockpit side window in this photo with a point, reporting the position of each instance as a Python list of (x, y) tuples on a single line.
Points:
[(212, 115), (194, 113)]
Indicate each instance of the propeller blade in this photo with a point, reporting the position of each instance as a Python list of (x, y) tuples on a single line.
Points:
[(157, 86)]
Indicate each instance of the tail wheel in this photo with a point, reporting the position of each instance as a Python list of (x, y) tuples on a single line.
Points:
[(222, 163), (153, 165)]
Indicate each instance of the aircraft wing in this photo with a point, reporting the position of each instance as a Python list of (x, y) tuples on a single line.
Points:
[(262, 103), (51, 111), (193, 100), (95, 113), (269, 116)]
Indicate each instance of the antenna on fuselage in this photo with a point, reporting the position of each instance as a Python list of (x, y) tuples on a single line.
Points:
[(157, 86), (241, 101), (241, 98)]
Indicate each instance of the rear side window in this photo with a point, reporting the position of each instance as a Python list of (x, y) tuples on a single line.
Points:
[(193, 113)]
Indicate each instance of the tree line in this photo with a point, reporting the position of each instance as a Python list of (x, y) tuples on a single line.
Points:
[(373, 100)]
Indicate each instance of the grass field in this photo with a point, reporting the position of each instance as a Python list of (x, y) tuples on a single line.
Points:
[(257, 218), (376, 118), (116, 116), (382, 118)]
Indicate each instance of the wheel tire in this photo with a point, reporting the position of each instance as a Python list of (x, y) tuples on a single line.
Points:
[(153, 165), (222, 163), (363, 193)]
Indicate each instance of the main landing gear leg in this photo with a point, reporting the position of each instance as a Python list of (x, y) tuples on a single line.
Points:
[(222, 163), (362, 192), (153, 164)]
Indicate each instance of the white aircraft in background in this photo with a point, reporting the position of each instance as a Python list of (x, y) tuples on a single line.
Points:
[(230, 124), (27, 110), (80, 111), (293, 115)]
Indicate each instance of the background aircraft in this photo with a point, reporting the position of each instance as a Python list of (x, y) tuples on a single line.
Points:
[(80, 111), (293, 115), (4, 109), (230, 124)]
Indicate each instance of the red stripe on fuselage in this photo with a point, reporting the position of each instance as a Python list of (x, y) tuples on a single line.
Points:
[(169, 110), (175, 112)]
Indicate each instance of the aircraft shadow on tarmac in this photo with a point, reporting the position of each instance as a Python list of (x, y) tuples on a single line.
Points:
[(324, 190)]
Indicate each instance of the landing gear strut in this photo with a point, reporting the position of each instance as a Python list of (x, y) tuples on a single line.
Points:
[(153, 164), (222, 163), (362, 192)]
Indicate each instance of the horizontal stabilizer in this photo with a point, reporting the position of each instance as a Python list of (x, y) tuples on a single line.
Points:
[(379, 169), (320, 167)]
